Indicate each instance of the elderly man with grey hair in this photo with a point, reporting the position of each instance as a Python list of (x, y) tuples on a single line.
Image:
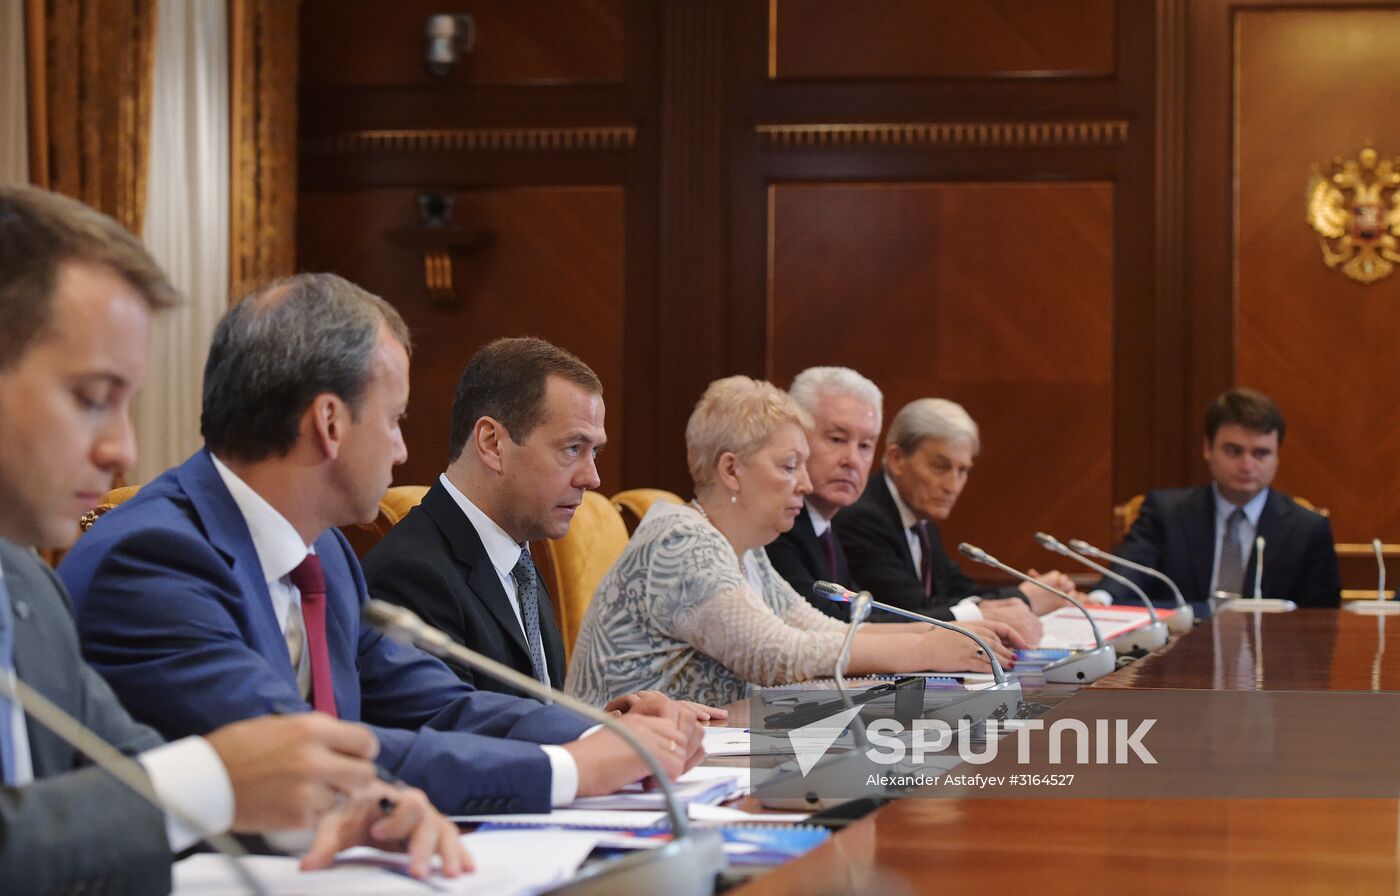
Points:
[(846, 412), (891, 534)]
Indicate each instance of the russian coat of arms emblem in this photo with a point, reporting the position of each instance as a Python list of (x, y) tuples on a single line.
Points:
[(1354, 205)]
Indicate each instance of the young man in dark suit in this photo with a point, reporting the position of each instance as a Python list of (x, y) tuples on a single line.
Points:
[(1203, 537), (77, 298), (224, 588), (846, 410), (891, 533)]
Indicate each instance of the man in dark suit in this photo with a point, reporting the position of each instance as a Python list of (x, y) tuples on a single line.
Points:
[(527, 424), (891, 533), (77, 298), (846, 410), (1203, 537), (223, 589)]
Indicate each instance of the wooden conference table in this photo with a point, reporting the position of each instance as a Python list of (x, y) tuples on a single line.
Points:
[(1170, 845)]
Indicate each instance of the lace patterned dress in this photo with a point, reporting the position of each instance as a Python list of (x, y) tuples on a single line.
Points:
[(677, 614)]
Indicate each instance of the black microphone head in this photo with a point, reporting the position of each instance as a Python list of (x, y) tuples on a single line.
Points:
[(831, 591)]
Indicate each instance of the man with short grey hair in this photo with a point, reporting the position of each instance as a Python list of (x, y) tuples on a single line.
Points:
[(846, 411), (891, 534)]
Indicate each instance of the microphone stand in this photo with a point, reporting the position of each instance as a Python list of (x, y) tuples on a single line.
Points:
[(1080, 667), (1380, 606), (1179, 622), (122, 767), (1149, 638), (689, 864), (1005, 694), (1258, 603)]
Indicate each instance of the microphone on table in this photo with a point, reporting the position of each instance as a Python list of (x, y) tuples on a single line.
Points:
[(860, 611), (1258, 603), (1179, 622), (1008, 689), (1149, 638), (1380, 606), (1080, 667), (122, 767), (688, 864)]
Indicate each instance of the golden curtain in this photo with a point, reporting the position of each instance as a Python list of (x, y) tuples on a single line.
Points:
[(90, 67), (263, 149)]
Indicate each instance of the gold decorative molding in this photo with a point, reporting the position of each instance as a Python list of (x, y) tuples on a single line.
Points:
[(262, 146), (982, 134), (1354, 205), (564, 139)]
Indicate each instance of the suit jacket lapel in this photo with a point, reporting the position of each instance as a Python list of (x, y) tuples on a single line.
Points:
[(1273, 524), (885, 501), (471, 554), (812, 549), (1200, 540), (218, 513)]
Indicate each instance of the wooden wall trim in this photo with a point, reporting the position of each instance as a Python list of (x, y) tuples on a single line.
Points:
[(1171, 406), (550, 139), (978, 134), (694, 223)]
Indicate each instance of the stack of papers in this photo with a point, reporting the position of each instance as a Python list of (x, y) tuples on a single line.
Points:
[(508, 863), (1067, 627), (702, 784)]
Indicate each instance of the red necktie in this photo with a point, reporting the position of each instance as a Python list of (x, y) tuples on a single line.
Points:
[(310, 580)]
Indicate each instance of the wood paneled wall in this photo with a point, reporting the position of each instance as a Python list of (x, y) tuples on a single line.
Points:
[(1028, 207), (1276, 88)]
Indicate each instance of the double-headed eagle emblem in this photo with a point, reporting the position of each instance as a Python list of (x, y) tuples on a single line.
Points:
[(1354, 205)]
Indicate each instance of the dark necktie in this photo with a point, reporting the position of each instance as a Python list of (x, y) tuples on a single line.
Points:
[(1231, 574), (926, 561), (310, 579), (828, 540), (527, 587), (9, 749)]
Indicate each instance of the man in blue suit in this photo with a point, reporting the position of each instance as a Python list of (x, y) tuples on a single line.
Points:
[(78, 294), (223, 590), (1203, 537)]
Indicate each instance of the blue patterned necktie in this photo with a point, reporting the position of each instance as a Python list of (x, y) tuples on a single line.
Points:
[(8, 748), (527, 586)]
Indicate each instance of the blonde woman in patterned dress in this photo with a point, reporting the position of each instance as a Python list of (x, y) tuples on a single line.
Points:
[(693, 608)]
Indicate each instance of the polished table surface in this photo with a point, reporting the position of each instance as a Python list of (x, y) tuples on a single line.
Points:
[(1325, 650), (1162, 845)]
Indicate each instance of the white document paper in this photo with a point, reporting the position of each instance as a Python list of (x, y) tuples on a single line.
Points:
[(702, 784), (1067, 627), (508, 863), (727, 742)]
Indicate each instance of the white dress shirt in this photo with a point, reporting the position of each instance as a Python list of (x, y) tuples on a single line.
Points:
[(965, 610), (186, 774), (819, 523)]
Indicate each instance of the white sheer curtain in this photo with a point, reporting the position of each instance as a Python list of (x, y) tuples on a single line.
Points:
[(186, 225), (14, 125)]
